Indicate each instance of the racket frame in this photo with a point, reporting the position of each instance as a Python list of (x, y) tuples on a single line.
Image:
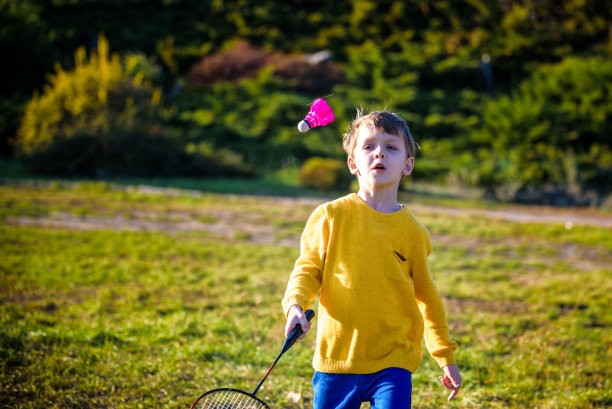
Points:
[(250, 395), (289, 341)]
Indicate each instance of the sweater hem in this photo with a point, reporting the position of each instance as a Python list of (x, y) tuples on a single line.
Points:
[(409, 362)]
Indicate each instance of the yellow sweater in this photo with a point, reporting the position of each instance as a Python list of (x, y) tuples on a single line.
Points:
[(377, 296)]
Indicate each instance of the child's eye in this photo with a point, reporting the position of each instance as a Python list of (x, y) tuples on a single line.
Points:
[(391, 147), (367, 147)]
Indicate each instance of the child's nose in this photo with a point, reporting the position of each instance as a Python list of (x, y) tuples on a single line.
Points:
[(379, 153)]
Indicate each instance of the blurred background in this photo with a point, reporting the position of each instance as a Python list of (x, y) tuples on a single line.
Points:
[(509, 99), (128, 281)]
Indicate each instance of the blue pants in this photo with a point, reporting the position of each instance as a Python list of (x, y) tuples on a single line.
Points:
[(388, 389)]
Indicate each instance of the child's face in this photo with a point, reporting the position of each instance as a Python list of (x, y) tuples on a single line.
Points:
[(379, 159)]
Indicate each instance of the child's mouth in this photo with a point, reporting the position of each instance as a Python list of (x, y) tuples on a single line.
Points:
[(379, 167)]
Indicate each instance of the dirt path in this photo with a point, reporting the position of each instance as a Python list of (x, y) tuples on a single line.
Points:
[(232, 223), (225, 225), (240, 225), (228, 222), (229, 226), (531, 214)]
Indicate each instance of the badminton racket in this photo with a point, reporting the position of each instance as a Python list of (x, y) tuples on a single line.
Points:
[(229, 398)]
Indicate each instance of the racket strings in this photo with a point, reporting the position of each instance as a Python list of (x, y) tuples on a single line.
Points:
[(230, 400)]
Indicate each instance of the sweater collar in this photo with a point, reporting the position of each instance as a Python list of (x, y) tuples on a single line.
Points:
[(353, 197)]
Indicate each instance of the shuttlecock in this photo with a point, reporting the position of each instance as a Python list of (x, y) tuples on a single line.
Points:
[(320, 114)]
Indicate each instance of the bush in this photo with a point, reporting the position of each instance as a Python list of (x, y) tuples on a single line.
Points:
[(258, 118), (245, 61), (314, 78), (93, 97), (104, 118), (116, 153), (135, 153), (325, 174), (242, 60), (552, 133)]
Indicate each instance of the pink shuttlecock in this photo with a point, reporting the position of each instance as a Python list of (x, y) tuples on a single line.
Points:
[(320, 114)]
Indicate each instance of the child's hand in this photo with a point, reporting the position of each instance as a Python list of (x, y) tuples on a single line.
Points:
[(296, 316), (451, 380)]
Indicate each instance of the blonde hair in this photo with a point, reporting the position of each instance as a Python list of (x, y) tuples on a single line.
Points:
[(383, 121)]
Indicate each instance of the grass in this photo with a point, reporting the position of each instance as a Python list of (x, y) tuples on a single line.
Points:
[(110, 317)]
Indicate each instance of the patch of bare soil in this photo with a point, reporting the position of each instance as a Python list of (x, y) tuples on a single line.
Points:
[(585, 258), (531, 214), (257, 228), (227, 225), (488, 306)]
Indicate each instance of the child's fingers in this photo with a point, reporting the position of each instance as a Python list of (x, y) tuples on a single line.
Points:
[(449, 385), (305, 324), (452, 395), (305, 329), (297, 317), (446, 382), (291, 323)]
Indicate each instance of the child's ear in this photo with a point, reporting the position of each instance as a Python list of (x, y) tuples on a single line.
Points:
[(409, 166), (352, 166)]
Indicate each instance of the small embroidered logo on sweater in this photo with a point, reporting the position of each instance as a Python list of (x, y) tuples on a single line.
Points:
[(402, 258)]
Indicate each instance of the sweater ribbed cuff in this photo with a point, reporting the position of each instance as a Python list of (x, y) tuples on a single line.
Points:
[(294, 300), (445, 361)]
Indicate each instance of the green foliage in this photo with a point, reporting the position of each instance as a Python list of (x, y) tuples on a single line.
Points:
[(377, 79), (553, 130), (257, 118), (27, 55), (24, 44), (325, 174), (446, 67)]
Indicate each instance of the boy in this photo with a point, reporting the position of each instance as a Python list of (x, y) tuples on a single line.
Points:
[(367, 257)]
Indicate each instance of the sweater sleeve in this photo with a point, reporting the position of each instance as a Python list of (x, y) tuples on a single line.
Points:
[(305, 280), (437, 339)]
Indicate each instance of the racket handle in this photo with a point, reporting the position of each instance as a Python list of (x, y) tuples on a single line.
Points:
[(296, 332), (289, 341)]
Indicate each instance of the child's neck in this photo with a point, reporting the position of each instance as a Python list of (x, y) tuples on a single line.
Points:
[(384, 200)]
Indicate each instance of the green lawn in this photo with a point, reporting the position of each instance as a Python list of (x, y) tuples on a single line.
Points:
[(167, 296)]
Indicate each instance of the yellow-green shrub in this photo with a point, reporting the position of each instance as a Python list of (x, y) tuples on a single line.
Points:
[(105, 118), (325, 174), (79, 99)]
